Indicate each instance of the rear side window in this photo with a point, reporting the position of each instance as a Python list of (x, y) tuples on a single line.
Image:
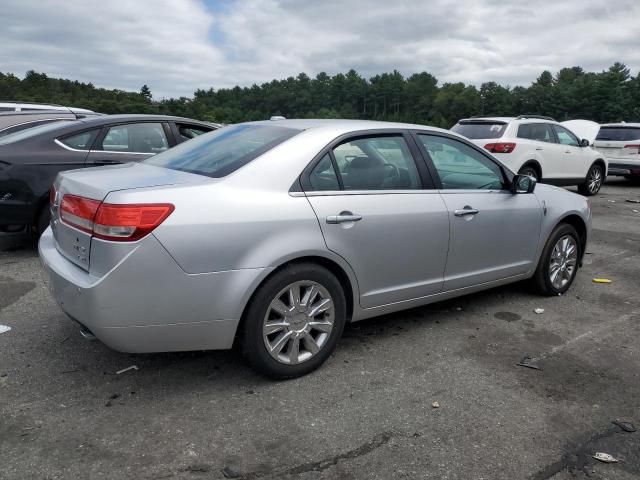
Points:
[(480, 129), (80, 141), (323, 176), (136, 138), (540, 132), (619, 134), (376, 163), (188, 131), (223, 151)]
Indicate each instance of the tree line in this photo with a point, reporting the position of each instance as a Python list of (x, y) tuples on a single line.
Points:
[(606, 96)]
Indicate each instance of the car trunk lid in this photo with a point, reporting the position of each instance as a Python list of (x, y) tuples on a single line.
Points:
[(90, 187)]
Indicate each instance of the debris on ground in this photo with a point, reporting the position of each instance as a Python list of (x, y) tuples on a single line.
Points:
[(230, 472), (435, 404), (525, 362), (4, 328), (604, 457), (626, 426), (111, 398), (132, 367), (601, 280), (538, 310)]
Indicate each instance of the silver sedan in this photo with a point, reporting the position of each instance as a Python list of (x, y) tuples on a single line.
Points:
[(272, 235)]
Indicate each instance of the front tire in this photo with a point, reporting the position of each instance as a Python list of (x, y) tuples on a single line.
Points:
[(593, 181), (558, 264), (294, 321)]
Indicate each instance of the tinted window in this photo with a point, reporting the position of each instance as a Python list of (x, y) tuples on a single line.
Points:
[(80, 141), (540, 132), (188, 131), (565, 137), (224, 150), (7, 109), (619, 134), (376, 163), (461, 167), (323, 176), (136, 138), (480, 129)]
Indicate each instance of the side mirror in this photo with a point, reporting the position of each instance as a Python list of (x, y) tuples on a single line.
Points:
[(584, 142), (523, 184)]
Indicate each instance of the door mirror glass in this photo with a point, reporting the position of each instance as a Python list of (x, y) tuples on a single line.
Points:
[(584, 142), (523, 184)]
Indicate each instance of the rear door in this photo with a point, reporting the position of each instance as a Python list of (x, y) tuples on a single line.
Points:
[(541, 141), (377, 209), (493, 233), (575, 159), (130, 142)]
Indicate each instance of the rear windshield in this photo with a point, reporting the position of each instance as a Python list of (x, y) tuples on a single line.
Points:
[(619, 134), (480, 129), (31, 132), (219, 153)]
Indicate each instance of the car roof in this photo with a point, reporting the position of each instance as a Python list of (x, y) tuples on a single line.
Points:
[(621, 124), (105, 119), (523, 118), (344, 125)]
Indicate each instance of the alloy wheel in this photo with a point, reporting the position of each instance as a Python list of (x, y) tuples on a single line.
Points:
[(298, 322), (594, 181), (564, 259)]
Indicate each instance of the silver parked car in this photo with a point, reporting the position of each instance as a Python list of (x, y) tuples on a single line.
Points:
[(277, 233)]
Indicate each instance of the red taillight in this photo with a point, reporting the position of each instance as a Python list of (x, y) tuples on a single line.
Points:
[(636, 146), (119, 222), (52, 195), (502, 147)]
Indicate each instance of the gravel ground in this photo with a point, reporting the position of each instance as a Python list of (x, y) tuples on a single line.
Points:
[(368, 412)]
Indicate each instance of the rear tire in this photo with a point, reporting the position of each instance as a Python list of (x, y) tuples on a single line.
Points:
[(530, 171), (558, 264), (593, 181), (294, 321)]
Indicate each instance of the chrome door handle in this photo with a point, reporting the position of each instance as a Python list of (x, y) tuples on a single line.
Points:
[(567, 151), (343, 218), (539, 149), (466, 211)]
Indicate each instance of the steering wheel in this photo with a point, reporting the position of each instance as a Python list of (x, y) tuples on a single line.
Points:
[(394, 172)]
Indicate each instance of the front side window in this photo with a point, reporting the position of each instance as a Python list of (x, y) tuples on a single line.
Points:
[(540, 132), (565, 137), (223, 151), (80, 141), (376, 163), (461, 167), (136, 138), (188, 131)]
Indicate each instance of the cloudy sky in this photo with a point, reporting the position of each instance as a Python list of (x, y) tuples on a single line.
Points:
[(176, 46)]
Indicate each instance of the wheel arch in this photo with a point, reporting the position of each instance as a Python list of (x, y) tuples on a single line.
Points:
[(580, 225), (346, 279), (602, 163), (534, 164)]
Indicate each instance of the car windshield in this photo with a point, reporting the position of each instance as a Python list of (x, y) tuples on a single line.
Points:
[(480, 129), (619, 134), (31, 132), (219, 153)]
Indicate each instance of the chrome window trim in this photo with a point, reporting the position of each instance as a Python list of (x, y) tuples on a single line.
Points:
[(125, 153), (67, 147), (326, 193)]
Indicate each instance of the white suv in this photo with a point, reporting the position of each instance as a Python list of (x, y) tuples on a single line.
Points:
[(620, 144), (539, 147)]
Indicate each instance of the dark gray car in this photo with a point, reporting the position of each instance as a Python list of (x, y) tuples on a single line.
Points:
[(31, 159)]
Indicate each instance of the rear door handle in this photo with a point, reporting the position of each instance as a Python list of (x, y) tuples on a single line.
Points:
[(539, 149), (344, 217), (567, 151), (466, 211)]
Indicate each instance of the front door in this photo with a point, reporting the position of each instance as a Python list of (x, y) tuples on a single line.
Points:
[(574, 159), (377, 212), (494, 234)]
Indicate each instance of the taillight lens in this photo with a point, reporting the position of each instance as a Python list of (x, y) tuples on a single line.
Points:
[(52, 195), (117, 222), (633, 146), (501, 147)]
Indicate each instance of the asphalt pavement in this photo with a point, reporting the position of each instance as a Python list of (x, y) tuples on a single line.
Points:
[(368, 412)]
